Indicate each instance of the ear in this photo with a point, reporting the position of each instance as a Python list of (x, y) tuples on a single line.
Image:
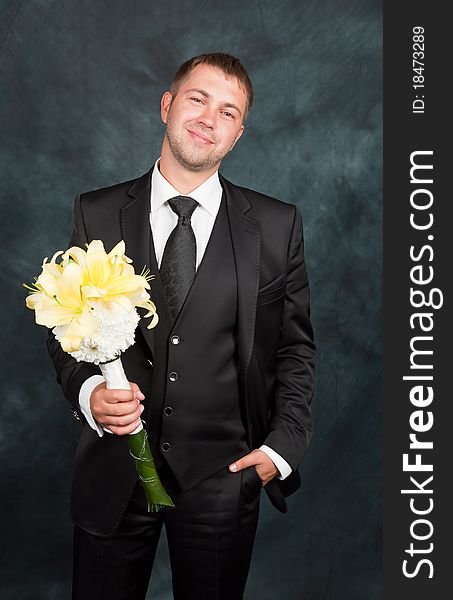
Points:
[(165, 105), (240, 132)]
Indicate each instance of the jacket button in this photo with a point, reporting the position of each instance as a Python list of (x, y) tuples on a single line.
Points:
[(175, 339), (165, 447), (168, 411), (173, 376)]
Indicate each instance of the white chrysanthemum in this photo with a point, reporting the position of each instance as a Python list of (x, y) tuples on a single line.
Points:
[(115, 333)]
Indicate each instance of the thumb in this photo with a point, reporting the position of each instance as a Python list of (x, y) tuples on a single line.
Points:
[(246, 461), (136, 389)]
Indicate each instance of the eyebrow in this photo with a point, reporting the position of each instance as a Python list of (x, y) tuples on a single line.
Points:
[(207, 95)]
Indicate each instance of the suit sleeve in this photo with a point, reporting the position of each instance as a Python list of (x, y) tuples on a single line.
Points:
[(70, 373), (291, 428)]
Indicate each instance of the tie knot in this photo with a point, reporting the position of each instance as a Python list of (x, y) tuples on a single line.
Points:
[(183, 206)]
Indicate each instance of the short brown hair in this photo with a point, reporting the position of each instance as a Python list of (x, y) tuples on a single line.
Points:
[(230, 65)]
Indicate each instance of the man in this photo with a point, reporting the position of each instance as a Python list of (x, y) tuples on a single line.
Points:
[(225, 380)]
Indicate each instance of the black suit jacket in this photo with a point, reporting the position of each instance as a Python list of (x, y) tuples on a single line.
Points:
[(275, 336)]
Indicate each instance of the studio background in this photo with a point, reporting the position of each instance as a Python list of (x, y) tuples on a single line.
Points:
[(79, 109)]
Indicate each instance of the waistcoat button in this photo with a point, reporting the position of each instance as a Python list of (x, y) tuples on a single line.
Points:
[(168, 411), (175, 339), (165, 447), (173, 376)]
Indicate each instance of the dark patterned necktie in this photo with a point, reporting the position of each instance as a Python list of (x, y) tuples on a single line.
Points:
[(177, 268)]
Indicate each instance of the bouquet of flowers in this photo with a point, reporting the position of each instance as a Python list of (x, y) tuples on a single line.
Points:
[(89, 299)]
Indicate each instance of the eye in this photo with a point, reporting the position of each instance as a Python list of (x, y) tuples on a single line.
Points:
[(228, 114), (196, 99)]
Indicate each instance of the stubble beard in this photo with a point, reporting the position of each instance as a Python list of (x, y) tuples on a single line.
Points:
[(191, 159)]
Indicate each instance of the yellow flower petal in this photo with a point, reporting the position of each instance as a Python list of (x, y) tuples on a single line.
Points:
[(85, 325), (95, 246), (92, 291), (154, 320), (77, 255), (48, 312), (118, 250), (98, 267), (68, 292)]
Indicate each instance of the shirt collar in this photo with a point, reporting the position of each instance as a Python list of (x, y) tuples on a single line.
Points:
[(208, 194)]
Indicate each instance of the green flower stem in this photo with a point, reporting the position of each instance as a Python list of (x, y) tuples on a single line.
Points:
[(137, 441), (155, 492)]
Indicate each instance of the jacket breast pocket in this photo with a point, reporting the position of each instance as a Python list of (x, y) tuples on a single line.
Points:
[(272, 291)]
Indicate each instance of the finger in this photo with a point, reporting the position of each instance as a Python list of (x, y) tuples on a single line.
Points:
[(119, 409), (123, 420), (115, 396), (107, 413), (125, 430)]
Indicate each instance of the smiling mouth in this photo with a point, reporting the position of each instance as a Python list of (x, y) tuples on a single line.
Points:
[(199, 137)]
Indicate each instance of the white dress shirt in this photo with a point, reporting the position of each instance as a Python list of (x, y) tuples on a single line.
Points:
[(162, 221)]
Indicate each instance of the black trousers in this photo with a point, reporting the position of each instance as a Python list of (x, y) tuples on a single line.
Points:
[(210, 535)]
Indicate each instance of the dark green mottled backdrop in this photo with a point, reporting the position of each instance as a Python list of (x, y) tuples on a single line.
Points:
[(80, 88)]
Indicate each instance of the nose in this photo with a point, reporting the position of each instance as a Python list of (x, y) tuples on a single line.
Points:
[(208, 116)]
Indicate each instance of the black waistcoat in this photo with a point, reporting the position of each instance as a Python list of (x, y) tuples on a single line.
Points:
[(196, 423)]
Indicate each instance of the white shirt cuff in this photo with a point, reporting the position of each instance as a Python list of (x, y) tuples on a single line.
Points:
[(84, 401), (278, 461)]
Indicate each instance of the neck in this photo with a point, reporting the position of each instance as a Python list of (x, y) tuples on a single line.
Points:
[(181, 179)]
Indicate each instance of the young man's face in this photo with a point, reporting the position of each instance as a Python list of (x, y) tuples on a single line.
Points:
[(204, 119)]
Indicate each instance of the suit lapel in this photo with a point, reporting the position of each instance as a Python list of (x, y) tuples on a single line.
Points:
[(245, 236), (136, 233)]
